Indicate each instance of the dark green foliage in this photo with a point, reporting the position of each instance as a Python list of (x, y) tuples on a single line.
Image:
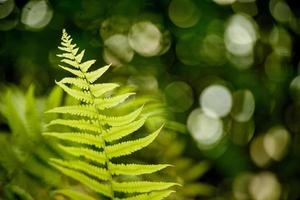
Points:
[(25, 172)]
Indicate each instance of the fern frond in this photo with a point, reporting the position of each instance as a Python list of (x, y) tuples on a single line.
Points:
[(100, 135), (135, 169), (85, 167), (87, 153), (128, 147), (77, 137), (141, 186), (118, 132), (74, 195)]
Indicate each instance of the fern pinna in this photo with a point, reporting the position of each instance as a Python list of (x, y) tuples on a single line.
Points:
[(98, 137)]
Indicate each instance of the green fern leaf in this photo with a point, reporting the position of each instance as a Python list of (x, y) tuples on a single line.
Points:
[(73, 71), (121, 120), (78, 124), (71, 62), (74, 50), (79, 57), (78, 82), (74, 195), (134, 169), (118, 132), (91, 183), (86, 65), (66, 55), (94, 75), (112, 101), (141, 186), (85, 152), (77, 137), (85, 167), (150, 196), (80, 110), (129, 147), (100, 89), (64, 49), (77, 94)]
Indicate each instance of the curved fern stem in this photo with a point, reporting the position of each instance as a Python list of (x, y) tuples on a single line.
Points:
[(110, 177)]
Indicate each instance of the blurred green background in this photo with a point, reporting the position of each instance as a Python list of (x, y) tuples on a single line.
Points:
[(226, 71)]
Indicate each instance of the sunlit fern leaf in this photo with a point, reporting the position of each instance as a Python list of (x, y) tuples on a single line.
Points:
[(79, 57), (78, 82), (102, 88), (73, 71), (86, 180), (74, 195), (123, 119), (141, 186), (84, 167), (112, 101), (70, 62), (65, 55), (128, 147), (77, 94), (78, 124), (119, 132), (79, 110), (77, 137), (81, 124), (85, 152), (135, 169), (86, 65), (94, 75), (101, 134), (152, 195)]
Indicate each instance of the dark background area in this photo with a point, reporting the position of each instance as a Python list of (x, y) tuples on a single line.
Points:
[(197, 49)]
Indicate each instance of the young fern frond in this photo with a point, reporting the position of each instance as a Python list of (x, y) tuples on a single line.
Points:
[(96, 138)]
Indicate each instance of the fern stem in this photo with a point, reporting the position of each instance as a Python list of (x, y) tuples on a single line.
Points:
[(110, 177), (106, 165)]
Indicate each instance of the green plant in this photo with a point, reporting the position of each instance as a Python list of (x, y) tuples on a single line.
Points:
[(96, 142), (24, 171)]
